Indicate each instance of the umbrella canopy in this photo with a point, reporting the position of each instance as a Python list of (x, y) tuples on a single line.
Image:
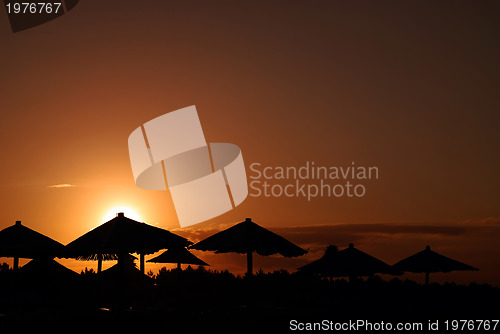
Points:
[(19, 241), (350, 262), (248, 237), (128, 271), (48, 268), (178, 255), (122, 235), (325, 265), (428, 261)]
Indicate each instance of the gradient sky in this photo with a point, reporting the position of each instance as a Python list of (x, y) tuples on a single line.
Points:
[(411, 88)]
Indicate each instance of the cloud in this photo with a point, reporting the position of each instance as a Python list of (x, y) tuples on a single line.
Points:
[(311, 233), (482, 222), (339, 234), (62, 185)]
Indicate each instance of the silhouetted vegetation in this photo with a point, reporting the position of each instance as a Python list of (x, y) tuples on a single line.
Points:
[(199, 299), (88, 271)]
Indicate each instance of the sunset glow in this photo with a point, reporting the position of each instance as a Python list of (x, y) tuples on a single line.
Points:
[(361, 126), (250, 166), (127, 211)]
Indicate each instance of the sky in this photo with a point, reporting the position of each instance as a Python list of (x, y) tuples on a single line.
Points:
[(411, 88)]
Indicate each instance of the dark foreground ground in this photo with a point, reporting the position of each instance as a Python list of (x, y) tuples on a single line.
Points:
[(199, 301)]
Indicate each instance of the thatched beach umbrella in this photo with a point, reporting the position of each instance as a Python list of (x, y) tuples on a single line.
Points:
[(48, 268), (120, 236), (128, 271), (246, 238), (179, 256), (428, 261), (19, 241), (349, 262), (324, 266)]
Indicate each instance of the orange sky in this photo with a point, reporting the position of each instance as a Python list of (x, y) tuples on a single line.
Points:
[(409, 88)]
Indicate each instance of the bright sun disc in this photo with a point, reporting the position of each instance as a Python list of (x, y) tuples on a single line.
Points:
[(128, 212)]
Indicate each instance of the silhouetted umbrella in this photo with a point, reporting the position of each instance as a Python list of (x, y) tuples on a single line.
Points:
[(47, 278), (247, 237), (48, 268), (428, 261), (128, 271), (325, 265), (178, 255), (350, 262), (120, 236), (122, 283), (19, 241)]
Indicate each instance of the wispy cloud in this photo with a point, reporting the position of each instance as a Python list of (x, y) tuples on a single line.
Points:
[(482, 222), (62, 185), (328, 234)]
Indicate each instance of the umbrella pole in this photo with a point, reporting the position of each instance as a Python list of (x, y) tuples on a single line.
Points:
[(141, 256), (16, 263), (249, 263), (426, 294), (99, 263), (179, 266)]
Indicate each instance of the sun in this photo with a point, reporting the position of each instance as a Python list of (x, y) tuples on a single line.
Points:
[(127, 211)]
